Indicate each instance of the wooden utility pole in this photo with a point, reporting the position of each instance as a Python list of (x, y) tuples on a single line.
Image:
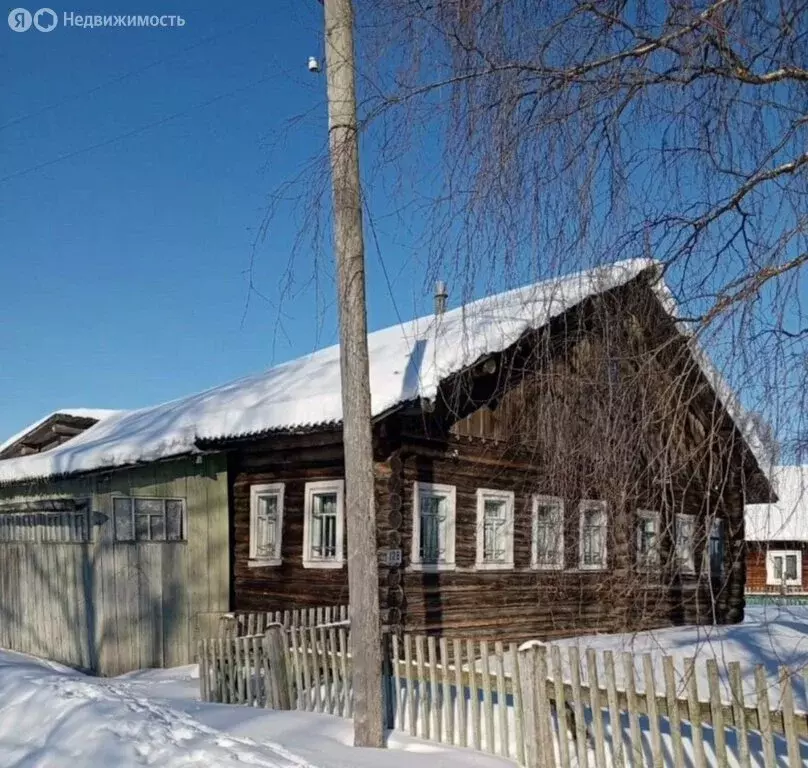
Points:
[(363, 572)]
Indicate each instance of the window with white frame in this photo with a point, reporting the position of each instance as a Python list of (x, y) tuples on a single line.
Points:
[(686, 542), (592, 535), (324, 524), (494, 529), (266, 524), (148, 519), (547, 540), (433, 534), (647, 538), (784, 568)]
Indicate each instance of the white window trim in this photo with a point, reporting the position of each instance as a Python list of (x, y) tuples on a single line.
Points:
[(256, 492), (415, 551), (558, 503), (324, 486), (689, 566), (508, 498), (770, 579), (583, 506), (648, 514)]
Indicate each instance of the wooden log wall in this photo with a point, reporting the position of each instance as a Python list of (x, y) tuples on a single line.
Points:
[(288, 585)]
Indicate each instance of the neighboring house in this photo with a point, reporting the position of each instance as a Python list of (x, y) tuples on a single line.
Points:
[(777, 537), (560, 458), (53, 430)]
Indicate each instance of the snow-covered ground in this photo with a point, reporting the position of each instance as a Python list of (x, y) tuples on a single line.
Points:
[(53, 716)]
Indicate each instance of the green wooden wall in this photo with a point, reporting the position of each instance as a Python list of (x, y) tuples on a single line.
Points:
[(110, 607)]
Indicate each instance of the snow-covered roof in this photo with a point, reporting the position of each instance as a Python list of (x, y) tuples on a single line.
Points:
[(407, 361), (787, 520), (77, 413)]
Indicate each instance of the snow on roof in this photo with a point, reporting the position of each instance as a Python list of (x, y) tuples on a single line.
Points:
[(407, 361), (787, 520), (79, 413)]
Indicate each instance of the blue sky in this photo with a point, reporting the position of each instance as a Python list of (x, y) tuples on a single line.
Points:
[(124, 262)]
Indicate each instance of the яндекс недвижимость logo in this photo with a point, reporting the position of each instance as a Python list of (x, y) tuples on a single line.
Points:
[(20, 20)]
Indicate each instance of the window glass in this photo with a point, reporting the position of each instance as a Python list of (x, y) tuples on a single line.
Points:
[(174, 520), (495, 525), (122, 511), (547, 533), (324, 526), (433, 533), (647, 550)]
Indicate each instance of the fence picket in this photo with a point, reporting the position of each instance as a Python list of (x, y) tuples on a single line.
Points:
[(717, 713), (399, 707), (673, 712), (294, 644), (630, 684), (328, 687), (789, 720), (434, 693), (762, 690), (694, 713), (315, 669), (336, 684), (615, 719), (347, 698), (460, 697), (488, 704), (448, 707), (542, 711), (596, 708), (504, 741), (261, 681), (306, 658), (578, 703), (200, 655), (518, 716), (422, 697), (231, 641), (410, 686), (222, 697), (651, 709), (246, 643), (560, 706), (474, 698), (739, 713)]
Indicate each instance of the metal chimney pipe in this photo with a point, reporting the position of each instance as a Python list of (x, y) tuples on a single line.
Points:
[(440, 297)]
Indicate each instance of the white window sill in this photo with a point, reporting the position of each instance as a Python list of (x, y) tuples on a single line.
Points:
[(592, 568), (537, 567), (323, 564), (431, 567), (788, 583), (265, 563), (494, 566)]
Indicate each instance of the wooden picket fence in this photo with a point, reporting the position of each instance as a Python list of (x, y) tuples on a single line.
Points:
[(255, 622), (620, 714), (505, 701)]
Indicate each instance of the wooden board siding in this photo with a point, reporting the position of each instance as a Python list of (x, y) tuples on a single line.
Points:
[(756, 566), (108, 606)]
